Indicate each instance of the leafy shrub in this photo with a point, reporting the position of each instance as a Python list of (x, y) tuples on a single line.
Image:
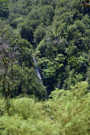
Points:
[(65, 113), (2, 106)]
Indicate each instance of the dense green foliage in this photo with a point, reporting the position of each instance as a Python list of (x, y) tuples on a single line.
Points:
[(66, 113), (4, 10), (44, 67), (57, 33)]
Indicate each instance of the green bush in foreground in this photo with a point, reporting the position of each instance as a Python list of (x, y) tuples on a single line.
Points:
[(65, 113)]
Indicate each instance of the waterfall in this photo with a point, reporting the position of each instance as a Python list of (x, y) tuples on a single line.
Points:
[(37, 68)]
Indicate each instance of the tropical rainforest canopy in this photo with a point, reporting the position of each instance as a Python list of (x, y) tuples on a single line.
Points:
[(44, 67)]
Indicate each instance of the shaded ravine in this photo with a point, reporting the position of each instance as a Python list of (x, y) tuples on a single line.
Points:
[(40, 79), (37, 69)]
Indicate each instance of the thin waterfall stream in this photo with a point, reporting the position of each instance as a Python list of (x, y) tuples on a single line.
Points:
[(37, 68)]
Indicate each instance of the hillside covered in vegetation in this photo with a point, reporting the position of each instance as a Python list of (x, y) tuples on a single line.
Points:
[(44, 67)]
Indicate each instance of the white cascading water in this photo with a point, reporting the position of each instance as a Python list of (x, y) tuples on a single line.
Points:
[(36, 68)]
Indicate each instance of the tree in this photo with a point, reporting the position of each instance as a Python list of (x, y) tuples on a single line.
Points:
[(7, 58), (88, 72), (4, 11)]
